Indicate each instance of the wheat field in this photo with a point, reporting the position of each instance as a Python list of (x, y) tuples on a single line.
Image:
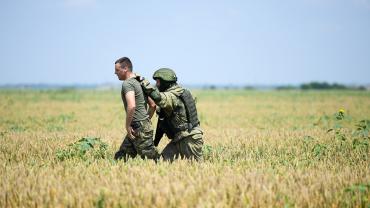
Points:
[(262, 149)]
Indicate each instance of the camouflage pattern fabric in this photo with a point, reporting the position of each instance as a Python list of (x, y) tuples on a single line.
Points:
[(165, 74), (141, 145), (187, 148), (184, 144)]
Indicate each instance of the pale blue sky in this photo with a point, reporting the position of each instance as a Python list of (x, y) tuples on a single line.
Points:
[(206, 41)]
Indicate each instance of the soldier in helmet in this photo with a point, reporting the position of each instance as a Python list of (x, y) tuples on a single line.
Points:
[(178, 117), (139, 137)]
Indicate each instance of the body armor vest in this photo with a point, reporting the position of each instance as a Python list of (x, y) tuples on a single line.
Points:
[(172, 124), (191, 109)]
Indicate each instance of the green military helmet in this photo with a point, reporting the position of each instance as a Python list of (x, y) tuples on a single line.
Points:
[(165, 74)]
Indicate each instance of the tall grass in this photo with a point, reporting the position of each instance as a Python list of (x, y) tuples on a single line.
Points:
[(262, 149)]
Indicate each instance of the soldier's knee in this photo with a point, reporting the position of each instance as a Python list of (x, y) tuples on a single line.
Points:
[(150, 154), (119, 155), (168, 158)]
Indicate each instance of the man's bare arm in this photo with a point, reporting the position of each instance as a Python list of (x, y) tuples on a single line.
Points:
[(131, 105)]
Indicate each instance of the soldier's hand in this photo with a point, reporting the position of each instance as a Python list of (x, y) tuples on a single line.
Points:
[(145, 84), (138, 77)]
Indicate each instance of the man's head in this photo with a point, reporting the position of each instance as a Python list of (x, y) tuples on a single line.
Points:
[(164, 78), (123, 68)]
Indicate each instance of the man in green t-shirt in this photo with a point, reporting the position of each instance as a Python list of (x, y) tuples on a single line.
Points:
[(139, 137)]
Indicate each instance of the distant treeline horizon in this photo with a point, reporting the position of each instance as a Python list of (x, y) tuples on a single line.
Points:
[(304, 86), (323, 86)]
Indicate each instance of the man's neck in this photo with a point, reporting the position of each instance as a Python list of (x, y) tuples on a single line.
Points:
[(130, 75)]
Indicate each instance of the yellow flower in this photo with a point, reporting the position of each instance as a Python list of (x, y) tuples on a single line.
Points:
[(341, 111)]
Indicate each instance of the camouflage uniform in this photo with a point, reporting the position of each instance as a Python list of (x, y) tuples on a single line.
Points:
[(173, 121), (184, 143), (142, 144)]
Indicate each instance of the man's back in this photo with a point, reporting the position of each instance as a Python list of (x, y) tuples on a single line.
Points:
[(132, 84)]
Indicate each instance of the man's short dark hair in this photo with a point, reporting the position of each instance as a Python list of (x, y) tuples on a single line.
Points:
[(124, 61)]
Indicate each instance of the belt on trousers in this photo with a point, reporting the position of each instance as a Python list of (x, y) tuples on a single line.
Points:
[(138, 124)]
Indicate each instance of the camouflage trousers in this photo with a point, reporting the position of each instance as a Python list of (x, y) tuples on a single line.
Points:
[(141, 145), (189, 147)]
